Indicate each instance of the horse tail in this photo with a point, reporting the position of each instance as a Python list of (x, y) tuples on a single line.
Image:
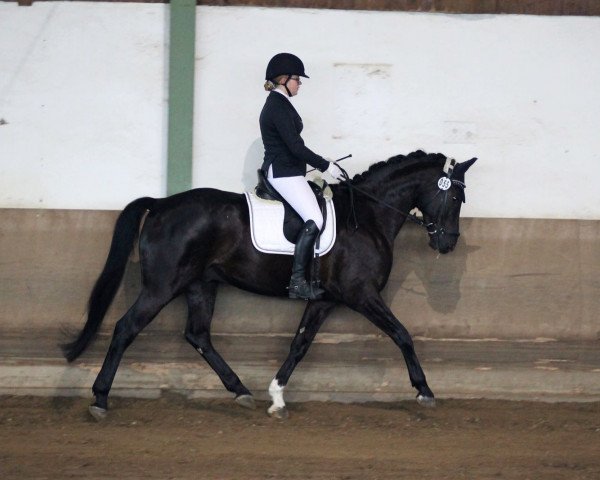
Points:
[(105, 289)]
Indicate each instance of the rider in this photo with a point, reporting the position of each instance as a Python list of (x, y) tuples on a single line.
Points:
[(285, 162)]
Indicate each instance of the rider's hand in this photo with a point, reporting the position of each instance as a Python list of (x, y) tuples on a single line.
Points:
[(334, 171)]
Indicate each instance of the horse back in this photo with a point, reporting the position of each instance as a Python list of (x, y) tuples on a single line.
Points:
[(201, 220), (198, 208), (205, 234)]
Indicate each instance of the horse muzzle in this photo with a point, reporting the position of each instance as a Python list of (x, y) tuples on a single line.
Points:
[(442, 240)]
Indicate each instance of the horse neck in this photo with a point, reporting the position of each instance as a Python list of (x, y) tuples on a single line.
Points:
[(400, 192)]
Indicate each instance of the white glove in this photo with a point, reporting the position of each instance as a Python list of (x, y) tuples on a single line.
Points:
[(334, 171)]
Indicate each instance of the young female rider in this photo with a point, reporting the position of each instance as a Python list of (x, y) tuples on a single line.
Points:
[(285, 162)]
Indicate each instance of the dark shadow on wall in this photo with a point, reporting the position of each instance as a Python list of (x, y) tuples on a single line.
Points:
[(439, 276)]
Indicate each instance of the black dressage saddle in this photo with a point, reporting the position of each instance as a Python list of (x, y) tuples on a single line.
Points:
[(292, 222)]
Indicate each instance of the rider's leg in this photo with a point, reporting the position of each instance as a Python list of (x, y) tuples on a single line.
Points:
[(299, 195), (297, 192), (304, 251)]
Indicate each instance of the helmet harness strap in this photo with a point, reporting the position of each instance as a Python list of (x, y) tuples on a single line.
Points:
[(289, 77)]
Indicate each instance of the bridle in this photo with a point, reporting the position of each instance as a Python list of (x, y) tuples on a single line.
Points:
[(433, 228), (444, 184)]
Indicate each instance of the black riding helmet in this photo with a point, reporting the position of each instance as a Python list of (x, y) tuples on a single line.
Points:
[(285, 64)]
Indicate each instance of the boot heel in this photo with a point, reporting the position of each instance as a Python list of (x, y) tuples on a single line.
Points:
[(292, 294), (305, 291)]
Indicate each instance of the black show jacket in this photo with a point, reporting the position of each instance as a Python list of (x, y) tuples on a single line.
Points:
[(280, 128)]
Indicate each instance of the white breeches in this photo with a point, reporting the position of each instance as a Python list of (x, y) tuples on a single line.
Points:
[(299, 195)]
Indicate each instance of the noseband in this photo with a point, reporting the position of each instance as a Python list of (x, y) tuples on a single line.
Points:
[(444, 184)]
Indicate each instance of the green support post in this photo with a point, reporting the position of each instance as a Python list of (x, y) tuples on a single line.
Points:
[(182, 52)]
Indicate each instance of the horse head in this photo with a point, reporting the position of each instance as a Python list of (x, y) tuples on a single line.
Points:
[(440, 204)]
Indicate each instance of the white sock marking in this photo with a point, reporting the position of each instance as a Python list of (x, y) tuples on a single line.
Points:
[(276, 393)]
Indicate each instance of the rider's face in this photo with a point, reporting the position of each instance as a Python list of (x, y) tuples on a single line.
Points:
[(293, 84)]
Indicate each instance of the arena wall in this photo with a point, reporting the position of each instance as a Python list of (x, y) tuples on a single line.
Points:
[(507, 279), (83, 108)]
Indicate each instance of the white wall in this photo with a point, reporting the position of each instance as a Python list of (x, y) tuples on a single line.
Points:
[(83, 89), (519, 92)]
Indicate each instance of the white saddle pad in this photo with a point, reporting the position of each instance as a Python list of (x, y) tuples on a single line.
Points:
[(266, 226)]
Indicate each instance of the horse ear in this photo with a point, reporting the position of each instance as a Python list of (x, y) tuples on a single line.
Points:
[(462, 167)]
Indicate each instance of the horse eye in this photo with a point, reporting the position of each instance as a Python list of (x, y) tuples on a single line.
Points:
[(454, 198)]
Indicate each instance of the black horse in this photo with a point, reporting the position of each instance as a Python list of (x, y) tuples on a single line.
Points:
[(193, 241)]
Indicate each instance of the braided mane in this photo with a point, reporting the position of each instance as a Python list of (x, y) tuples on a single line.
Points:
[(410, 162)]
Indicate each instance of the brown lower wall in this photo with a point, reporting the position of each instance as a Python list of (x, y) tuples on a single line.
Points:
[(507, 279)]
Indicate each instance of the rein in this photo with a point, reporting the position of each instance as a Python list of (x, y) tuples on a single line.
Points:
[(431, 227), (351, 188)]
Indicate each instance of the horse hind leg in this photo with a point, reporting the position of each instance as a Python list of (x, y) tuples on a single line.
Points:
[(126, 329), (201, 302)]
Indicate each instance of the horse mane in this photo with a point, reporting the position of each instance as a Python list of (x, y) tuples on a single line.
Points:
[(413, 161)]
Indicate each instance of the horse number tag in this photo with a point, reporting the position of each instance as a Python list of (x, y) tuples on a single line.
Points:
[(444, 183)]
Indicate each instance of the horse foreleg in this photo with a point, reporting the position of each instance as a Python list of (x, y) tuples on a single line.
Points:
[(314, 316), (201, 303), (382, 317), (127, 328)]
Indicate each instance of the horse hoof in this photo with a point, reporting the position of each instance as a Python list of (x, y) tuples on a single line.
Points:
[(246, 401), (278, 413), (424, 401), (98, 413)]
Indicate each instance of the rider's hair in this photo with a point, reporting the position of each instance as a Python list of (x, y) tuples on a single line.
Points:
[(272, 84)]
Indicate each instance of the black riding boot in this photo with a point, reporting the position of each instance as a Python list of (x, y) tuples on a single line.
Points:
[(305, 245)]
